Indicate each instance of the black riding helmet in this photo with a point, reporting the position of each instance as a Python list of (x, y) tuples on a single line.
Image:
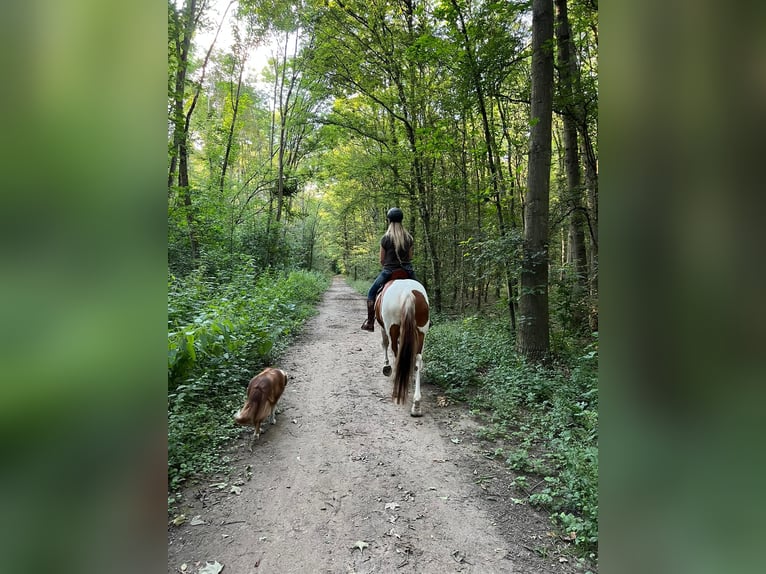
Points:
[(395, 215)]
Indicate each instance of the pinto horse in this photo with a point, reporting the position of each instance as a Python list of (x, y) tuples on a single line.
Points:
[(401, 309)]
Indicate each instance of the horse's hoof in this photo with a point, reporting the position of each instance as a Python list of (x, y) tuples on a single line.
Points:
[(387, 370), (416, 410)]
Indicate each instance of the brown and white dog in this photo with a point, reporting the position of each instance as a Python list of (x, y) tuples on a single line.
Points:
[(263, 393)]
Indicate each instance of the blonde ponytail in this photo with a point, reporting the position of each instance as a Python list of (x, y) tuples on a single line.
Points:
[(401, 238)]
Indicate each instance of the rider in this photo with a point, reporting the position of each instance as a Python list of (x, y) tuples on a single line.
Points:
[(396, 248)]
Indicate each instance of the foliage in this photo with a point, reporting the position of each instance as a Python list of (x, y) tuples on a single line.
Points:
[(421, 105), (360, 286), (221, 331), (548, 414), (461, 351), (568, 306)]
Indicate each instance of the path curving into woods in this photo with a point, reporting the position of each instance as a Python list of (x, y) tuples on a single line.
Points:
[(347, 481)]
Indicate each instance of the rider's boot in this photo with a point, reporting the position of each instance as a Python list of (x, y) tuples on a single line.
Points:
[(369, 324)]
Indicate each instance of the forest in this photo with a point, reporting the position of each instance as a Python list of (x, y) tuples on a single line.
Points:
[(479, 118)]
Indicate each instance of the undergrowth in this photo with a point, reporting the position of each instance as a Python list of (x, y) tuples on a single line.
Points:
[(548, 416), (222, 331), (361, 286)]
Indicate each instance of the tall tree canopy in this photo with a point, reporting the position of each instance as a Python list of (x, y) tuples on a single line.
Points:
[(477, 117)]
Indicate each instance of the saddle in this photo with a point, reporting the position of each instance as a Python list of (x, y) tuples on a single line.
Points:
[(397, 274)]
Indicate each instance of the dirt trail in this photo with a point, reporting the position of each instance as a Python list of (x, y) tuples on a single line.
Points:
[(347, 481)]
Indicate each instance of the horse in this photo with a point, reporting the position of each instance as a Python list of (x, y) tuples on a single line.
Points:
[(401, 309)]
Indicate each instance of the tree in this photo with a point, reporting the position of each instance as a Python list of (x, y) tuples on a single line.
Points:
[(476, 75), (575, 257), (379, 55), (181, 26), (425, 105), (534, 339)]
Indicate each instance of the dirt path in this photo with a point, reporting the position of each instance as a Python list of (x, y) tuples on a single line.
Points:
[(348, 482)]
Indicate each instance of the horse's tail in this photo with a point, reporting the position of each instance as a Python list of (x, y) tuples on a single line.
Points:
[(408, 349)]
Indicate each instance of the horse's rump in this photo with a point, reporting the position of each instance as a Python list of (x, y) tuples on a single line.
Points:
[(403, 311)]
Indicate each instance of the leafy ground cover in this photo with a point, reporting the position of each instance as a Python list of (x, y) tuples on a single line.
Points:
[(221, 331), (545, 418)]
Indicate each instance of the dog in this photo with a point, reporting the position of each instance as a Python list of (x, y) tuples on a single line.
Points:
[(263, 393)]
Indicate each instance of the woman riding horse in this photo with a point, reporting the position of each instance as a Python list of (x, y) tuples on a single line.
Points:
[(396, 248)]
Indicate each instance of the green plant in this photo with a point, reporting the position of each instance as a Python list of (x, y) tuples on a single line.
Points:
[(547, 417), (221, 332)]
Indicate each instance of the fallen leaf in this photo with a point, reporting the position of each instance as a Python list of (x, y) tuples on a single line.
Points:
[(361, 544), (219, 485), (235, 490), (197, 520), (392, 505), (570, 536), (455, 440), (209, 568), (562, 559), (184, 566), (179, 520)]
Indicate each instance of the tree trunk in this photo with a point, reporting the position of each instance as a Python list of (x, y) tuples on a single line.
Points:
[(512, 280), (282, 120), (230, 137), (425, 217), (576, 256), (591, 184), (284, 112), (179, 151), (533, 341)]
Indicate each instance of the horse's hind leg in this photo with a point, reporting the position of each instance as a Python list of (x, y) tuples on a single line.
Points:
[(416, 410), (384, 344)]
